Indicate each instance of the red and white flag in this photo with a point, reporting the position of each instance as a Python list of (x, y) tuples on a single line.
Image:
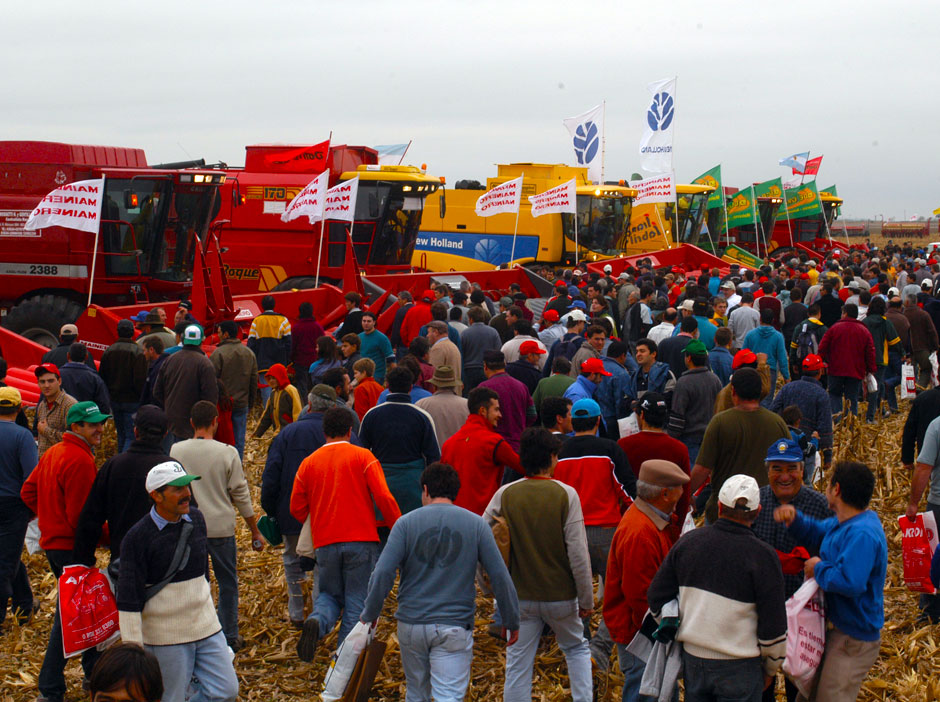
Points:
[(811, 168), (657, 188), (74, 206), (561, 198), (341, 201), (309, 201), (306, 159), (501, 199)]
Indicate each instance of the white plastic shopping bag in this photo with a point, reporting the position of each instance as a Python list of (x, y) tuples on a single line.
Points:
[(871, 383), (934, 369), (688, 525), (629, 425), (344, 661), (908, 381), (806, 635)]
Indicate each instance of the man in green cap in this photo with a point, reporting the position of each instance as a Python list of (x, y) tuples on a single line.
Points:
[(693, 400), (56, 492)]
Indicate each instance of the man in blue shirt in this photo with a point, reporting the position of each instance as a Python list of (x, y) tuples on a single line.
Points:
[(850, 569), (375, 345)]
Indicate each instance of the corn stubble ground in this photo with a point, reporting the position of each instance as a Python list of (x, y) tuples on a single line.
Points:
[(907, 669)]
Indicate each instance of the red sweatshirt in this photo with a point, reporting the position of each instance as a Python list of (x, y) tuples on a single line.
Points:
[(478, 454), (57, 489)]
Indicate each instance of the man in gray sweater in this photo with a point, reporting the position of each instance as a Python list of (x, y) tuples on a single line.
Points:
[(437, 548), (693, 401)]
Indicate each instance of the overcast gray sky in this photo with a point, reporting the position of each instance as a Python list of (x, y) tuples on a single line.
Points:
[(475, 84)]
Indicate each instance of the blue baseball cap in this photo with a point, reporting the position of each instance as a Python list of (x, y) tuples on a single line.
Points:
[(785, 450), (578, 305), (585, 407)]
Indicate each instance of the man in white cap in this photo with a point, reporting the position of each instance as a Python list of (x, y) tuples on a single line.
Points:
[(730, 587), (163, 594)]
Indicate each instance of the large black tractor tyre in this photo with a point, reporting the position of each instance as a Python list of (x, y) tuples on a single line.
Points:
[(39, 318)]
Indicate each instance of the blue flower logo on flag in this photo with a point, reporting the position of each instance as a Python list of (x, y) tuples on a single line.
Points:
[(661, 111), (586, 142)]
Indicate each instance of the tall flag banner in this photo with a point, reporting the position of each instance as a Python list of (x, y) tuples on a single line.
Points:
[(712, 178), (797, 161), (586, 131), (561, 198), (309, 201), (812, 167), (73, 206), (803, 201), (835, 193), (769, 188), (340, 202), (658, 188), (501, 199), (391, 154), (742, 208), (656, 143), (302, 160)]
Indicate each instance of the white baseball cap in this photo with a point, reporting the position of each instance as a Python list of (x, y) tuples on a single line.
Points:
[(577, 315), (168, 473), (739, 487), (608, 268), (192, 335)]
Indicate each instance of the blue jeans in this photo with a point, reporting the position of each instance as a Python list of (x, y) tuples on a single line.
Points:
[(436, 659), (893, 379), (844, 386), (766, 402), (52, 674), (344, 580), (693, 443), (874, 398), (562, 617), (264, 388), (632, 669), (295, 577), (207, 662), (239, 425), (223, 555), (124, 423), (707, 680), (14, 582)]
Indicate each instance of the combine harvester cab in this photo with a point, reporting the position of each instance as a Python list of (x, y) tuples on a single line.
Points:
[(812, 234), (143, 252), (657, 226), (264, 254), (454, 238)]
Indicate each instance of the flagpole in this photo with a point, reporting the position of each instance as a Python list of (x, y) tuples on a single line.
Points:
[(662, 227), (822, 209), (724, 206), (399, 163), (757, 225), (603, 142), (319, 256), (786, 208), (512, 253), (576, 229), (94, 251)]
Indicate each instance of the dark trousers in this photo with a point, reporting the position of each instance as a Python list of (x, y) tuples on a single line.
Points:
[(893, 379), (471, 378), (708, 680), (52, 673), (874, 398), (14, 582), (843, 386)]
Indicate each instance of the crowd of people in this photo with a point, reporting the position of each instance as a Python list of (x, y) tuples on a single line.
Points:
[(527, 446)]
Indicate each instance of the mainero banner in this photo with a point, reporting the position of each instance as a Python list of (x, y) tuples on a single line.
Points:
[(803, 201)]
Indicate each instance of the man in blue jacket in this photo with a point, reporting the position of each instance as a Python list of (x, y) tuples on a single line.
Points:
[(766, 339), (850, 569), (290, 447)]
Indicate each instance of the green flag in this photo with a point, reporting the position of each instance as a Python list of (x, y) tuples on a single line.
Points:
[(712, 178), (741, 208), (832, 191), (803, 201), (770, 188)]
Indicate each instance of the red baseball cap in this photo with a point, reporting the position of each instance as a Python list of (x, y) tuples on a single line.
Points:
[(742, 357), (813, 363), (47, 368), (527, 347), (561, 284), (428, 296), (551, 316), (594, 365)]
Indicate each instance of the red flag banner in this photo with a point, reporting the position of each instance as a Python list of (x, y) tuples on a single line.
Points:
[(812, 166), (303, 160)]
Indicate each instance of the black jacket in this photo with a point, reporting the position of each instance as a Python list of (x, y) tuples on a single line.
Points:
[(123, 369), (60, 356), (525, 373), (84, 384)]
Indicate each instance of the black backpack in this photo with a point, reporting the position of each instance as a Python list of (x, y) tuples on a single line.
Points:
[(806, 342)]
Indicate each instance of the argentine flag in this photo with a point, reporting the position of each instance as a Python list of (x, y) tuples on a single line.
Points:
[(797, 161), (391, 154)]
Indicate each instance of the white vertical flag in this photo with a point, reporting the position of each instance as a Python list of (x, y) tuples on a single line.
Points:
[(309, 201), (656, 143), (74, 206), (341, 201), (501, 199), (561, 198), (586, 132), (657, 188)]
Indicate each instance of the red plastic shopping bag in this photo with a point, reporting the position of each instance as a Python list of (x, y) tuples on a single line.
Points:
[(87, 607), (918, 541), (806, 635)]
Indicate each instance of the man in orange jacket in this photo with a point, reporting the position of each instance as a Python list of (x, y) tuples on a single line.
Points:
[(56, 492)]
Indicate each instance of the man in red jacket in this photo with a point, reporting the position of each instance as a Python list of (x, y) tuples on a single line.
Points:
[(417, 317), (478, 453), (55, 492), (849, 350), (640, 545)]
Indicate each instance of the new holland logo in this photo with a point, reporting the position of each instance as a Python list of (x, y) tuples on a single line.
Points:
[(661, 112), (586, 142)]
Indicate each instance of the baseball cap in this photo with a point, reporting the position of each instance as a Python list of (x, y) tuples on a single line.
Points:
[(623, 275), (687, 305), (608, 268), (578, 305), (550, 316), (85, 412), (324, 392), (695, 348), (853, 284), (68, 330), (585, 407), (577, 315), (743, 357), (786, 450), (428, 296), (893, 291), (192, 335), (561, 284), (653, 405), (10, 397), (168, 473), (505, 301), (125, 328), (739, 487), (140, 316), (926, 284), (151, 418), (47, 368), (813, 362), (727, 285), (594, 365), (186, 305), (527, 347)]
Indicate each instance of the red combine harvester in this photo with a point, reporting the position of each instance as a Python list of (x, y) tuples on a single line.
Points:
[(686, 256)]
